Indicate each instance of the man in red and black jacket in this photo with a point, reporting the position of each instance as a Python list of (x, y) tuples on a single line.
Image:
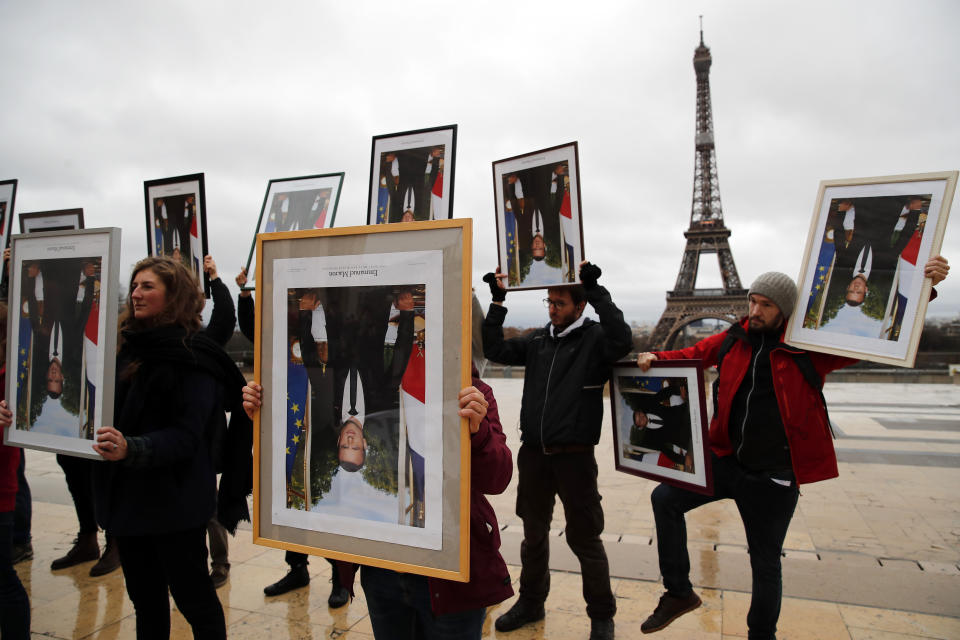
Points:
[(769, 434)]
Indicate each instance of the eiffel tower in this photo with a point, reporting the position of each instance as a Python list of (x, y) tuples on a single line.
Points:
[(706, 235)]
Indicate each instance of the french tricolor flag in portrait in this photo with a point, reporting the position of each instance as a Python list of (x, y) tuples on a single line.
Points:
[(570, 233), (413, 399), (196, 250), (90, 341), (436, 196), (413, 386)]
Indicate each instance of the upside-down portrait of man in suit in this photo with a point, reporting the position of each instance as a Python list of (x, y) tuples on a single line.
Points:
[(174, 215), (355, 374), (535, 198), (661, 422), (298, 210), (414, 182), (869, 235), (58, 295)]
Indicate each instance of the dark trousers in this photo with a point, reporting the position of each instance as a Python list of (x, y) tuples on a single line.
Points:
[(178, 561), (766, 508), (219, 543), (79, 475), (23, 514), (14, 605), (573, 477), (399, 608)]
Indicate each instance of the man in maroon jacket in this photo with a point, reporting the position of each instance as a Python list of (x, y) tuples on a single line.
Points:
[(769, 433)]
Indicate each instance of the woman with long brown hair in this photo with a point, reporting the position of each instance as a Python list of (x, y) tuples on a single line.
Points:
[(158, 489)]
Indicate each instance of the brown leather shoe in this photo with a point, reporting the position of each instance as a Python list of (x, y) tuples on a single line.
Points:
[(109, 561), (669, 609), (84, 549)]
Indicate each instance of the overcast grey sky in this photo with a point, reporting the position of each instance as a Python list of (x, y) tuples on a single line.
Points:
[(100, 96)]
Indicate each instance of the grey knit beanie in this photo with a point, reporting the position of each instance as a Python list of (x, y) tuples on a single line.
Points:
[(778, 287)]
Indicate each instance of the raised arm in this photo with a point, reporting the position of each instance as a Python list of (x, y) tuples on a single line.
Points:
[(223, 318), (617, 337)]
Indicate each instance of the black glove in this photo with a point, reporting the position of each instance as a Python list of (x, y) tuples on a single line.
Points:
[(589, 274), (499, 294)]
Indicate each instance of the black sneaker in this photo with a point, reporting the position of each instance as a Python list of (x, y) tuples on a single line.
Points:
[(21, 552), (601, 629), (296, 578), (522, 612), (669, 609)]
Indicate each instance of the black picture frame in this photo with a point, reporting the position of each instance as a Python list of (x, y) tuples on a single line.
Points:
[(8, 201), (394, 184), (302, 195), (58, 220), (547, 210), (168, 236)]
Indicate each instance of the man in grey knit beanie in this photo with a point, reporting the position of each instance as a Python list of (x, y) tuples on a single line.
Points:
[(768, 435), (779, 288)]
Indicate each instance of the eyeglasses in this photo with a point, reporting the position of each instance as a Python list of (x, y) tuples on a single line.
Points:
[(558, 304)]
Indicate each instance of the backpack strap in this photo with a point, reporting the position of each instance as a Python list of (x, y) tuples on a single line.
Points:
[(728, 341), (800, 357)]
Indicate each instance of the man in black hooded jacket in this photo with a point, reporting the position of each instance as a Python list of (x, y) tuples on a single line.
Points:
[(566, 365)]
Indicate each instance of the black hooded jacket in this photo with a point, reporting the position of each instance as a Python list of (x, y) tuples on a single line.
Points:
[(563, 382)]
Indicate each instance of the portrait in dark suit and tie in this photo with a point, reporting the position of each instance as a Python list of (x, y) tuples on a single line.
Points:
[(57, 297), (352, 345)]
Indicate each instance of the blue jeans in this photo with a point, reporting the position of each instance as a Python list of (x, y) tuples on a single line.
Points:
[(14, 605), (399, 607), (766, 508)]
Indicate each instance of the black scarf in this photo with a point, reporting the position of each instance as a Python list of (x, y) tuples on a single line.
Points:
[(171, 344)]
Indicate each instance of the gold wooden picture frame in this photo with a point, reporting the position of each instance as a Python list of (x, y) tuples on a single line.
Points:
[(362, 345), (861, 290)]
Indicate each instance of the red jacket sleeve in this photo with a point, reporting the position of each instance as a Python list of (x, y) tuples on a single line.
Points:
[(706, 350)]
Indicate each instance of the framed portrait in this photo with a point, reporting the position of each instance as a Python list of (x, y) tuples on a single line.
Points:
[(296, 204), (62, 338), (660, 423), (60, 220), (539, 228), (176, 211), (862, 292), (411, 176), (362, 346), (8, 198)]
